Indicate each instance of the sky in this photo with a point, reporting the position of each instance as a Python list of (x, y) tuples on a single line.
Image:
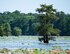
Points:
[(27, 6)]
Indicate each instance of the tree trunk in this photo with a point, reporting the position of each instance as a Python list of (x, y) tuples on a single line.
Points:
[(46, 39)]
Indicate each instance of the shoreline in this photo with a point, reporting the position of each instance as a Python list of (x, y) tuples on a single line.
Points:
[(32, 51)]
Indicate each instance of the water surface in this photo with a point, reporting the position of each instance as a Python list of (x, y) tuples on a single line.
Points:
[(13, 42)]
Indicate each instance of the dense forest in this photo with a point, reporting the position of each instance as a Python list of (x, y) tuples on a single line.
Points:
[(17, 23)]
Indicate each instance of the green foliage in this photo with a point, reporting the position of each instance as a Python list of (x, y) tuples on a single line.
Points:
[(46, 17), (5, 29), (17, 31), (48, 22), (1, 31), (63, 23)]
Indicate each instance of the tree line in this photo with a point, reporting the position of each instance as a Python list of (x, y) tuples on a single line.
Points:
[(48, 22)]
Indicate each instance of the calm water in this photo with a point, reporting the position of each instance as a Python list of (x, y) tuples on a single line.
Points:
[(32, 42)]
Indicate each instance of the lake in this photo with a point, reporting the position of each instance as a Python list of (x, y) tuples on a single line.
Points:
[(31, 42)]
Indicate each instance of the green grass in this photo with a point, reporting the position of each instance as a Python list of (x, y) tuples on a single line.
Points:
[(29, 51)]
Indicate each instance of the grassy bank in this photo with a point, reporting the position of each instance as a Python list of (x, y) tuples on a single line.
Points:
[(33, 51)]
